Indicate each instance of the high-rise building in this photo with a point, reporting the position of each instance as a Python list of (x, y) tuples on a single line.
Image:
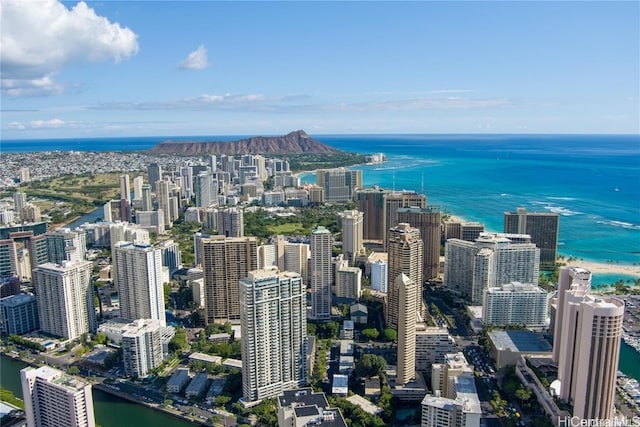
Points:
[(138, 182), (125, 187), (352, 222), (293, 257), (19, 200), (66, 245), (26, 236), (162, 195), (141, 347), (19, 314), (24, 174), (171, 256), (461, 410), (273, 322), (348, 282), (320, 274), (589, 353), (339, 184), (392, 202), (231, 222), (454, 402), (432, 344), (202, 184), (379, 276), (543, 229), (494, 259), (370, 201), (147, 200), (155, 174), (465, 230), (407, 310), (225, 260), (138, 273), (569, 279), (515, 304), (54, 399), (405, 256), (267, 256), (428, 221), (65, 298)]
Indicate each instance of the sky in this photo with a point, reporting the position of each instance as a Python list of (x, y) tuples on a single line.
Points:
[(170, 68)]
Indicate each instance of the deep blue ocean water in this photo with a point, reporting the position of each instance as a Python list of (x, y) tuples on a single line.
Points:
[(592, 181)]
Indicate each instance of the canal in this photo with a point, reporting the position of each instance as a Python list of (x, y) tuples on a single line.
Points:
[(110, 411)]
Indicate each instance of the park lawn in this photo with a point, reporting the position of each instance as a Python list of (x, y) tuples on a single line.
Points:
[(287, 229)]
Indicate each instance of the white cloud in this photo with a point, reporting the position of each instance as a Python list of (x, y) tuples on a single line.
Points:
[(197, 60), (47, 124), (39, 38)]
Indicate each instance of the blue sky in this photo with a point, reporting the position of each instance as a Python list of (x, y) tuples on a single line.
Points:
[(138, 68)]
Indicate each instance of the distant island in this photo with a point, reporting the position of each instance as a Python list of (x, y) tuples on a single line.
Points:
[(297, 142)]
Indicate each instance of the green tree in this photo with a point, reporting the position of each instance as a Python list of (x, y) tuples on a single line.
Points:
[(370, 334), (522, 394), (390, 334), (371, 365), (73, 370)]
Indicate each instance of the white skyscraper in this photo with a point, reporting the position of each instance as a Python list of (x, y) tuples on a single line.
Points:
[(587, 344), (65, 298), (141, 347), (54, 399), (138, 182), (274, 333), (515, 303), (320, 274), (494, 259), (379, 275), (139, 279)]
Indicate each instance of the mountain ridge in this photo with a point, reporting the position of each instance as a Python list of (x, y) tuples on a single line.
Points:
[(295, 142)]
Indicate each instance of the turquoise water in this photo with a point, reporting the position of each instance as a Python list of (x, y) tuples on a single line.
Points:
[(480, 177)]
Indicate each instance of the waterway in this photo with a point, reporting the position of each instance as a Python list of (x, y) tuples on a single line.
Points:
[(110, 411)]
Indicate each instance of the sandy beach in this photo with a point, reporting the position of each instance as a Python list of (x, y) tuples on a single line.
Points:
[(606, 268)]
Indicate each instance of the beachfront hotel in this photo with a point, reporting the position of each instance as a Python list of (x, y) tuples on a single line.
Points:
[(543, 229), (54, 399), (370, 201), (273, 324), (339, 184), (492, 260)]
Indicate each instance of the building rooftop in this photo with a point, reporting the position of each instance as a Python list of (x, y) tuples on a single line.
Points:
[(519, 341), (16, 300)]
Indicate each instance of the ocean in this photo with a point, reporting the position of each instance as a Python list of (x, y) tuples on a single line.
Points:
[(592, 181)]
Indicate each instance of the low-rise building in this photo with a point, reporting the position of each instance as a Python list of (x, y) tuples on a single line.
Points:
[(178, 380), (197, 386), (506, 347), (304, 408)]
